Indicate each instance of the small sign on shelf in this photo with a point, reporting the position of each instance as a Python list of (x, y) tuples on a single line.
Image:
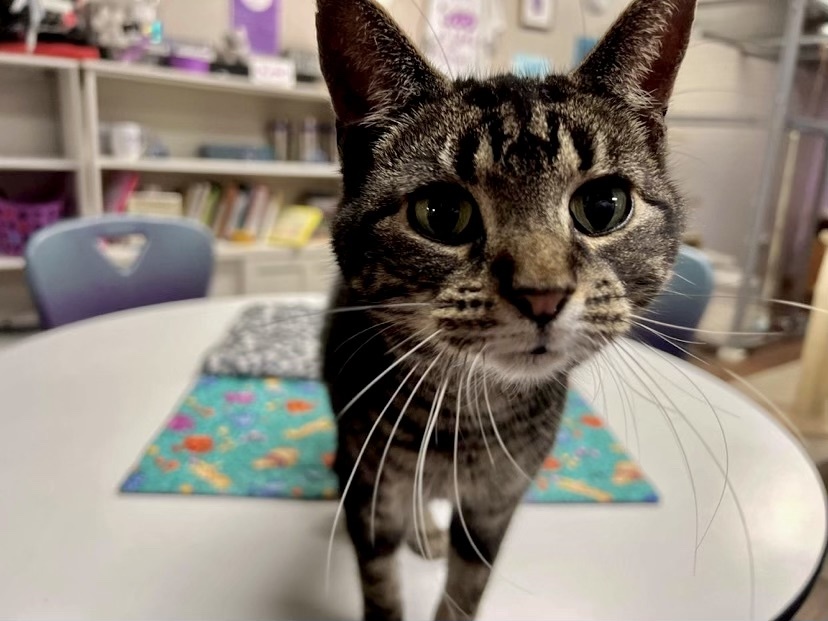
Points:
[(273, 71)]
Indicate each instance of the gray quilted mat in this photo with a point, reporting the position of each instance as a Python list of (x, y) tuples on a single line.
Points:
[(271, 340)]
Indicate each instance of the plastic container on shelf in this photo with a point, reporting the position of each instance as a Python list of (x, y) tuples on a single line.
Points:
[(279, 132), (20, 220)]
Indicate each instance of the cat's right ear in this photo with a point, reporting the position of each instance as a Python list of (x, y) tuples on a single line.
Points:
[(640, 56), (372, 69)]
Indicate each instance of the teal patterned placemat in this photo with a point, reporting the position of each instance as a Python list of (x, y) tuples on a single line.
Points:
[(277, 437)]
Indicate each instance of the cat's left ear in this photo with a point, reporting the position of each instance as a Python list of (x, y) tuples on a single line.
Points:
[(372, 69), (640, 56)]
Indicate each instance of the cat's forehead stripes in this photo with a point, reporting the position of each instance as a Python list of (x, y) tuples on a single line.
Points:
[(517, 128)]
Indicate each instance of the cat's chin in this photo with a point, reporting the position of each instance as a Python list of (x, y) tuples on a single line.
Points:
[(533, 366)]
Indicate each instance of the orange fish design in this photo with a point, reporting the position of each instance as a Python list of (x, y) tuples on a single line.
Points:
[(195, 444), (551, 463), (592, 421), (298, 406)]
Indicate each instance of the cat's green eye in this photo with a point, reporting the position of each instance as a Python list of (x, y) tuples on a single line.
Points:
[(601, 206), (445, 214)]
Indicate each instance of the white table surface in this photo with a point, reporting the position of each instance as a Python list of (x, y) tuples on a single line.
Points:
[(79, 404)]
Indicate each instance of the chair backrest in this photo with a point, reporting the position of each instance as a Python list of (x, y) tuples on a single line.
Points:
[(682, 303), (71, 279)]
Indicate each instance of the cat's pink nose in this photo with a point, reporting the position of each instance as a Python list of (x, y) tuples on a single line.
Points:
[(543, 306)]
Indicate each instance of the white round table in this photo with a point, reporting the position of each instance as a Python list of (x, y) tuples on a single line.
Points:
[(79, 404)]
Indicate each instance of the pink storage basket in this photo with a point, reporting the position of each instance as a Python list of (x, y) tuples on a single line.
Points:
[(19, 221)]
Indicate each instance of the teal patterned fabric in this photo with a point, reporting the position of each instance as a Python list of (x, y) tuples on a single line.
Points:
[(277, 438)]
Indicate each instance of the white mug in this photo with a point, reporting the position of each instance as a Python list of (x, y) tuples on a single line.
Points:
[(128, 141)]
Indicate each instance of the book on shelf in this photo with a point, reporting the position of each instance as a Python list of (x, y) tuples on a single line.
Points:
[(225, 207), (119, 189), (239, 203), (232, 211), (255, 215), (295, 225), (195, 200), (271, 213), (156, 203), (211, 205)]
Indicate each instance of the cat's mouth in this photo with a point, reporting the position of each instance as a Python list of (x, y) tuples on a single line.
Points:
[(540, 354)]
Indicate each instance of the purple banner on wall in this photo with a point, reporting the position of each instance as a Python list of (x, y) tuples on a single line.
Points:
[(260, 18)]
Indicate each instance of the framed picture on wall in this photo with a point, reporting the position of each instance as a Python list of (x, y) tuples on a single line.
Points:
[(537, 14)]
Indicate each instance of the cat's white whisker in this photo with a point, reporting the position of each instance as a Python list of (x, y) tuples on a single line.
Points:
[(476, 405), (391, 439), (457, 499), (783, 417), (455, 604), (497, 433), (739, 510), (625, 402), (406, 340), (700, 330), (419, 510), (354, 471), (737, 503), (723, 435), (679, 443), (371, 338), (459, 505), (390, 368), (350, 309), (361, 332)]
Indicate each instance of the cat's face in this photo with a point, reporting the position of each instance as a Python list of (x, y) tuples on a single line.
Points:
[(530, 217)]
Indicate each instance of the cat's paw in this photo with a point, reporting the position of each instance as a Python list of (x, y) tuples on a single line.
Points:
[(433, 546)]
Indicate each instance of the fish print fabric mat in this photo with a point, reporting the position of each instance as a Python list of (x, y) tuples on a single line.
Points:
[(276, 438)]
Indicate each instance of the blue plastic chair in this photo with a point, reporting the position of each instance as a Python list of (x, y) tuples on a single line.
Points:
[(70, 279), (682, 303)]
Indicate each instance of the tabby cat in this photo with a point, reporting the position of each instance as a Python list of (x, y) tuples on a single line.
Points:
[(493, 233)]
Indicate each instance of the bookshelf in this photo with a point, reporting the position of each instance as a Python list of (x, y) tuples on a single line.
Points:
[(199, 109), (51, 112), (41, 150), (41, 121)]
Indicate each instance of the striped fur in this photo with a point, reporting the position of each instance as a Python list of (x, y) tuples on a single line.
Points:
[(467, 391)]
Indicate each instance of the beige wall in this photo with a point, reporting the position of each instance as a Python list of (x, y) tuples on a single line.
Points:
[(717, 166)]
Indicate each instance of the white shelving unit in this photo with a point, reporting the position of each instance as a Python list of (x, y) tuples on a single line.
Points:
[(51, 110), (186, 110), (41, 117), (42, 150)]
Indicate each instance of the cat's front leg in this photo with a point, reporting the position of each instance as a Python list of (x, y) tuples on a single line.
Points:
[(474, 543), (376, 548)]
